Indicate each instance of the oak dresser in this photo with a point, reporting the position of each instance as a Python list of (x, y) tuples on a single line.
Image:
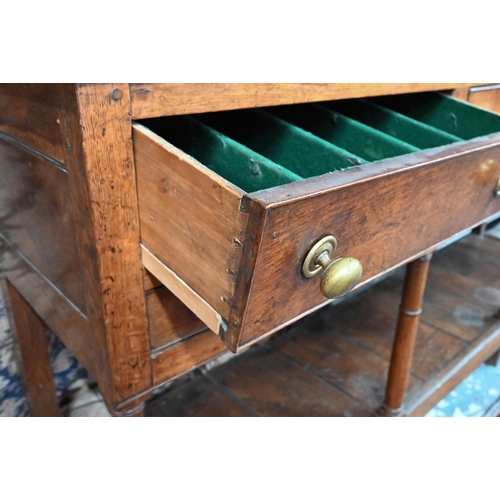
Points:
[(154, 227)]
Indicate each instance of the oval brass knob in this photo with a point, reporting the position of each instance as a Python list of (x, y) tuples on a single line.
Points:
[(497, 188), (339, 276)]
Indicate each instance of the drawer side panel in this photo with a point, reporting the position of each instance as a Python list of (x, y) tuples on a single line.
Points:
[(190, 220)]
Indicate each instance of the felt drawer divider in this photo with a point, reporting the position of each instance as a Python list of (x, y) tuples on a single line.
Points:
[(295, 149), (346, 133), (445, 113), (243, 167), (390, 122)]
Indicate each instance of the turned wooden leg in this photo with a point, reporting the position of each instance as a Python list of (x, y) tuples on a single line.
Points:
[(406, 333), (29, 334)]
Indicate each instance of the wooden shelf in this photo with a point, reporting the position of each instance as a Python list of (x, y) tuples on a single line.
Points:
[(335, 361)]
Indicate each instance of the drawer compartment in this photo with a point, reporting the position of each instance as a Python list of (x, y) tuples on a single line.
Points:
[(232, 202)]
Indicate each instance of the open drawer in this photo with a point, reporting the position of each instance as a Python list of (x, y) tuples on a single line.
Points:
[(232, 203)]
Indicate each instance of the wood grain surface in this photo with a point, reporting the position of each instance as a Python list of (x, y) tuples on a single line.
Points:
[(31, 113), (486, 97), (36, 217), (384, 215), (335, 361), (406, 334), (104, 193), (29, 334), (169, 319), (185, 356), (190, 218), (163, 99), (60, 315)]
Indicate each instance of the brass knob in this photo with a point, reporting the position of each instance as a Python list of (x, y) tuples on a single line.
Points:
[(339, 276), (497, 188)]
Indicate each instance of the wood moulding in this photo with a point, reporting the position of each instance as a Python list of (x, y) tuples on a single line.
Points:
[(163, 99)]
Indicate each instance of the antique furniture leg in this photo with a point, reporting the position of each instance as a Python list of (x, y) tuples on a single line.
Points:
[(402, 352), (494, 360), (29, 333)]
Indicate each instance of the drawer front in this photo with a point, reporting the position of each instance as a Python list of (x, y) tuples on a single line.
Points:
[(382, 219), (232, 203)]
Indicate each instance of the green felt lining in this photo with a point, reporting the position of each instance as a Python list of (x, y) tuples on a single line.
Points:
[(233, 161), (298, 150), (444, 112), (402, 127), (344, 132), (261, 148)]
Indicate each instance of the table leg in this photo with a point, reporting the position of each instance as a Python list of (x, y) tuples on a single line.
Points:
[(402, 350), (29, 335)]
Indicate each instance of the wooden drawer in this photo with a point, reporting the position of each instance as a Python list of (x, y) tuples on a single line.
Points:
[(232, 202)]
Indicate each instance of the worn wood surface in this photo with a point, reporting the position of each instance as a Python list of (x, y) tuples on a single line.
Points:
[(383, 215), (274, 385), (486, 97), (194, 302), (29, 334), (190, 219), (169, 320), (60, 315), (248, 280), (36, 217), (185, 356), (162, 99), (203, 399), (103, 188), (31, 113), (406, 333), (335, 361)]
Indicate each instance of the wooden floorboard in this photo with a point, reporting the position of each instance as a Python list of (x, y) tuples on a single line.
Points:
[(198, 398), (334, 362)]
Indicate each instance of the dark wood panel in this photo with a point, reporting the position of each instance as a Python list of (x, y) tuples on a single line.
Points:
[(274, 386), (185, 356), (199, 398), (162, 99), (169, 320), (383, 215), (36, 216), (31, 113)]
